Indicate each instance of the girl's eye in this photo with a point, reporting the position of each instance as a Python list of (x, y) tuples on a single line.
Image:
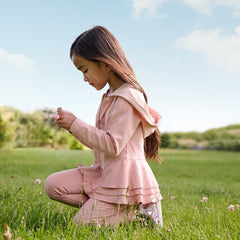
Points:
[(85, 71)]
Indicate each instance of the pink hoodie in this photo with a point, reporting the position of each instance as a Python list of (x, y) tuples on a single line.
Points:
[(121, 172)]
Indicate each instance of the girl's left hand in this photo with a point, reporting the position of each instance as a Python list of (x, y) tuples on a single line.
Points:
[(65, 119)]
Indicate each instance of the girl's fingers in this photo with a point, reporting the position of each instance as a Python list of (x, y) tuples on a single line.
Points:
[(59, 109), (60, 124)]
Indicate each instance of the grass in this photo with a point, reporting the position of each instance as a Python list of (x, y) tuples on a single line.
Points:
[(188, 175)]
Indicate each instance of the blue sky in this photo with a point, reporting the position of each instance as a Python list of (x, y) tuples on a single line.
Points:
[(185, 53)]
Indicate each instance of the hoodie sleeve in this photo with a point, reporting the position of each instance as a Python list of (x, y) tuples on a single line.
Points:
[(122, 123)]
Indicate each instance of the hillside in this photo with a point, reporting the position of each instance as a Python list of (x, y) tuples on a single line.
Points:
[(223, 138)]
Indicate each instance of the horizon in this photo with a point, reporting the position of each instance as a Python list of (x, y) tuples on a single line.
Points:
[(32, 112), (185, 54)]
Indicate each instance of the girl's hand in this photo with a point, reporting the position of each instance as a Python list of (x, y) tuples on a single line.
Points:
[(65, 118)]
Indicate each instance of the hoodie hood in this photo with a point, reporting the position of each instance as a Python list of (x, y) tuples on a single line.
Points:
[(150, 117)]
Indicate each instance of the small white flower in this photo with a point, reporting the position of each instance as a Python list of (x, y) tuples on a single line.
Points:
[(208, 209), (37, 181), (172, 197), (237, 206), (231, 208), (204, 199)]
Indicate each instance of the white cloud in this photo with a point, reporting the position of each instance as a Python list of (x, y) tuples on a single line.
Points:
[(148, 7), (17, 79), (219, 50), (236, 13), (206, 6), (15, 62), (202, 6)]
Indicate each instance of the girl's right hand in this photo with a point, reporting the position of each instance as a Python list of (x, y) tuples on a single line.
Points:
[(64, 118)]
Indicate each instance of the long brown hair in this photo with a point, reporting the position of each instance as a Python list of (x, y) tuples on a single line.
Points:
[(99, 44)]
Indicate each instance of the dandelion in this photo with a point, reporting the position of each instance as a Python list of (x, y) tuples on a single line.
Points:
[(231, 208), (172, 197), (7, 235), (237, 206), (37, 181)]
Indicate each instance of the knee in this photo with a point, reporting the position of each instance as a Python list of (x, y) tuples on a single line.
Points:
[(50, 187)]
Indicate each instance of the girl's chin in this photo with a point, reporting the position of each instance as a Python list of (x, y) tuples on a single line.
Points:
[(98, 88)]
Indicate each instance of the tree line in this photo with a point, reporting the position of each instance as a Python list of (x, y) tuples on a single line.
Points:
[(225, 138), (38, 129)]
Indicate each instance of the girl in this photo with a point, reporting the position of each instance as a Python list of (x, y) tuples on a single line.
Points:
[(120, 181)]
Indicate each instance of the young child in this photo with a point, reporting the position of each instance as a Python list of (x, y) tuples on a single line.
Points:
[(120, 182)]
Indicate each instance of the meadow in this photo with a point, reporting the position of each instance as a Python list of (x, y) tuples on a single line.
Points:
[(185, 177)]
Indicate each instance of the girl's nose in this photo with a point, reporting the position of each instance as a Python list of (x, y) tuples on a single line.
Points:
[(85, 78)]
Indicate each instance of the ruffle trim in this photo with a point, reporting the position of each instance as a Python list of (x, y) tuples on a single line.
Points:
[(125, 196)]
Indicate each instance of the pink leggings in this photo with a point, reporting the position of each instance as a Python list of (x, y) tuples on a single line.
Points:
[(68, 187)]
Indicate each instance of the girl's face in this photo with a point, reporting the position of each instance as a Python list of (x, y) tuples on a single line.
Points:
[(97, 74)]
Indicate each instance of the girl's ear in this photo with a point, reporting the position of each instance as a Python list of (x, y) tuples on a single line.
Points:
[(106, 67)]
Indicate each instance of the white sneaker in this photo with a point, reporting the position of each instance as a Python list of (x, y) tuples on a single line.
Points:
[(154, 211)]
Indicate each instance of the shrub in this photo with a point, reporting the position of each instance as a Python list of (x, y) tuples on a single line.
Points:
[(75, 145), (173, 143), (165, 140), (187, 143), (231, 145), (2, 131), (209, 135), (215, 144)]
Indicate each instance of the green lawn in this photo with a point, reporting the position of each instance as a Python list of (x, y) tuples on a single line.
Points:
[(188, 175)]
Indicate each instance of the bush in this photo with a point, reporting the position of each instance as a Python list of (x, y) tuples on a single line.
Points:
[(215, 145), (173, 143), (210, 135), (165, 140), (231, 145), (76, 145), (187, 143), (2, 131)]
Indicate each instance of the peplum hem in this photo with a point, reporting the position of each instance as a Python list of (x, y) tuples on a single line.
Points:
[(132, 197), (126, 188)]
